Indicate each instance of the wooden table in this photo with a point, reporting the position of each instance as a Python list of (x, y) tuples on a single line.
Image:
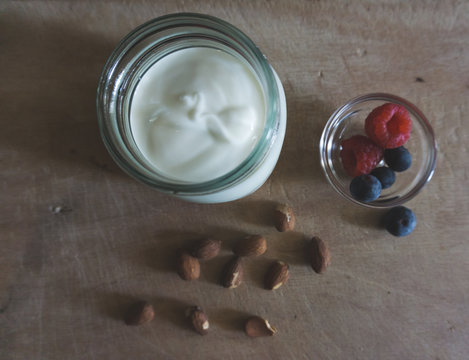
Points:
[(81, 240)]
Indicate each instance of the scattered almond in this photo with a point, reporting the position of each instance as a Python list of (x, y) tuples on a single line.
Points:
[(256, 326), (252, 245), (277, 275), (188, 267), (284, 219), (232, 273), (320, 256), (199, 319), (206, 249), (139, 313)]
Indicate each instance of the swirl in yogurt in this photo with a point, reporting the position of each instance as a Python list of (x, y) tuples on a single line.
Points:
[(197, 114)]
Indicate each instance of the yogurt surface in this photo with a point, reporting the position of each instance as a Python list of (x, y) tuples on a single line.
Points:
[(197, 113)]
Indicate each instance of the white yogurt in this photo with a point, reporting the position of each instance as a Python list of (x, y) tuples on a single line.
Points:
[(197, 114)]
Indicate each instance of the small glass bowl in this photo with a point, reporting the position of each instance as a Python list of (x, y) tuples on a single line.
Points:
[(349, 120)]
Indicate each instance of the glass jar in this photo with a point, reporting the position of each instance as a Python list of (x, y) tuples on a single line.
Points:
[(148, 44), (349, 120)]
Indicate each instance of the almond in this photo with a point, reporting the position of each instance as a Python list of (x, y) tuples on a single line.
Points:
[(252, 245), (199, 320), (284, 219), (256, 326), (206, 249), (277, 275), (188, 267), (320, 256), (139, 313), (232, 273)]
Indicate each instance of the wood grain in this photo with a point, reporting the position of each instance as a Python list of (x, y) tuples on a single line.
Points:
[(81, 240)]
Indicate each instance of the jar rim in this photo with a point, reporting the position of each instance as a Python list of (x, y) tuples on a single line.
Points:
[(107, 96)]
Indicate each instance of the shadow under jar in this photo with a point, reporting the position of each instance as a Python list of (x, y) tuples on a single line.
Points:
[(349, 120), (202, 144)]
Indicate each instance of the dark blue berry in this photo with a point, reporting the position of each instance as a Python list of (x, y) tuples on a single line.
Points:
[(385, 175), (365, 188), (398, 159), (400, 221)]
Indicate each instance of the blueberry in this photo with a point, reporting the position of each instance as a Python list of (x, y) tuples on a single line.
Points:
[(398, 159), (400, 221), (365, 188), (385, 175)]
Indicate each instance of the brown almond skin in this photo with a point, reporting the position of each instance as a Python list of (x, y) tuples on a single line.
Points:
[(252, 245), (320, 256), (188, 267), (233, 273), (199, 320), (206, 249), (256, 326), (139, 313), (284, 218), (277, 275)]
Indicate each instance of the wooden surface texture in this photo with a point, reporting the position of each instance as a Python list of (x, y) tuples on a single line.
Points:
[(81, 240)]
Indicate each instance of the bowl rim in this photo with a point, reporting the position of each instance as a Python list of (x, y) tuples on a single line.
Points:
[(326, 164)]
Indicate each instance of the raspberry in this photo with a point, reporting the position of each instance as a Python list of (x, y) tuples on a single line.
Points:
[(359, 155), (389, 125)]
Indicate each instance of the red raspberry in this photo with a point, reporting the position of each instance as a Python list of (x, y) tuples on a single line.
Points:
[(389, 125), (360, 155)]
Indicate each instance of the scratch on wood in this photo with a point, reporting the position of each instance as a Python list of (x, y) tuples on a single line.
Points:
[(59, 209), (269, 189), (5, 306), (99, 164), (347, 68), (285, 193), (40, 312), (81, 268), (361, 52)]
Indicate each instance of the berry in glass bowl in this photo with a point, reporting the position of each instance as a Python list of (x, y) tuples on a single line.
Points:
[(389, 122)]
